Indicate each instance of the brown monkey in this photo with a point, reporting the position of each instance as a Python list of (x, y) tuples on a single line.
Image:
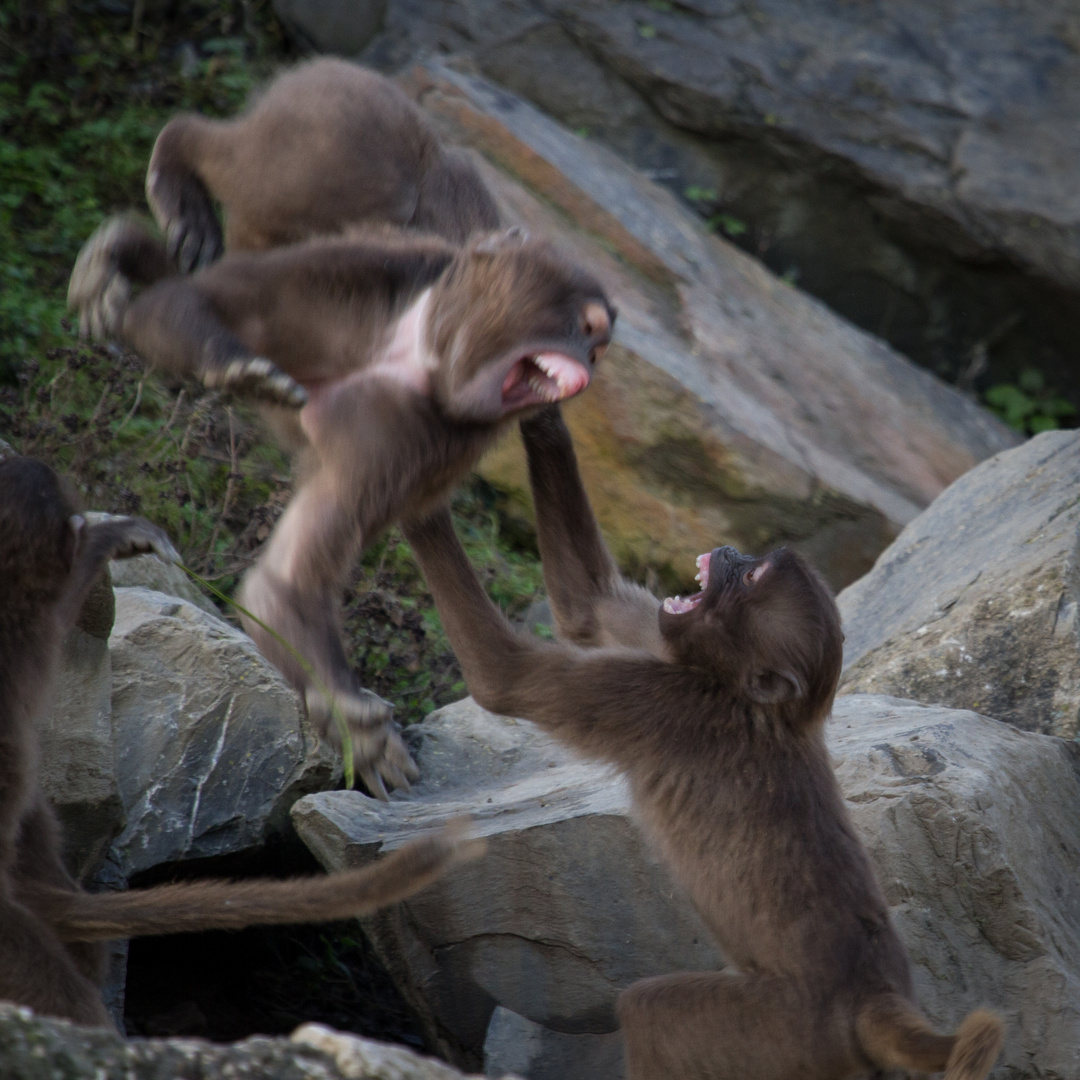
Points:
[(49, 557), (329, 144), (411, 354), (714, 707)]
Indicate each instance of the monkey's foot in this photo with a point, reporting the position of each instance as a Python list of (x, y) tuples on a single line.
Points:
[(183, 210), (98, 288), (379, 754), (126, 537), (258, 377)]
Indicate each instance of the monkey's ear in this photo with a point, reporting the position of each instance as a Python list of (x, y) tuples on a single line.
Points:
[(493, 243), (775, 687)]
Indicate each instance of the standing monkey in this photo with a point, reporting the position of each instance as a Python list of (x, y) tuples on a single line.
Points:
[(327, 145), (405, 356), (714, 707), (49, 557)]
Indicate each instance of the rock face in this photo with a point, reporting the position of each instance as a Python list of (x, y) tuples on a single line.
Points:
[(564, 910), (36, 1048), (731, 406), (149, 572), (213, 749), (342, 27), (972, 826), (974, 605), (913, 163)]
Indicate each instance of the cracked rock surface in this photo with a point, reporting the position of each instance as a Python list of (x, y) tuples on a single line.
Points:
[(974, 604)]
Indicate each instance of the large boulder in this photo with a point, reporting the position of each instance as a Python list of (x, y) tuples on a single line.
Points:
[(212, 746), (731, 407), (566, 908), (39, 1048), (975, 603), (973, 827), (913, 163)]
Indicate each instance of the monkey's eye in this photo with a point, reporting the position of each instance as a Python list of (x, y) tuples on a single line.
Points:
[(752, 577)]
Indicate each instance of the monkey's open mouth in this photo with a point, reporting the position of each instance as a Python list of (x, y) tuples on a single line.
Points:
[(678, 605), (543, 377)]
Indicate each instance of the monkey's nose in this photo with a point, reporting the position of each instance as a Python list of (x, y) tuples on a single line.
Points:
[(595, 321)]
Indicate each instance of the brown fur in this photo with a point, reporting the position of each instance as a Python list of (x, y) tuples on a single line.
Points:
[(401, 346), (716, 717), (329, 144), (49, 557)]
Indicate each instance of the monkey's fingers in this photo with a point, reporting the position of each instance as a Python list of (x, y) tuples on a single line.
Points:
[(135, 536), (193, 243), (257, 377), (97, 288)]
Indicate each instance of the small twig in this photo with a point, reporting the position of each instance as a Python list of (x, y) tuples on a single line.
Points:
[(230, 487), (134, 408), (136, 20), (88, 434)]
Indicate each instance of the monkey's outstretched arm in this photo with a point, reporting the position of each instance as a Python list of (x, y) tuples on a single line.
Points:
[(231, 905), (609, 703), (592, 603)]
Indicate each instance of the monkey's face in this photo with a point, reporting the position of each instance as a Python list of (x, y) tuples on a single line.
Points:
[(767, 626), (514, 325)]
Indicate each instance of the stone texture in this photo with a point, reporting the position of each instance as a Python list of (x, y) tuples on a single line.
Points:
[(731, 408), (342, 27), (149, 572), (974, 830), (912, 163), (37, 1048), (974, 605), (973, 827), (566, 908), (538, 1053), (212, 747)]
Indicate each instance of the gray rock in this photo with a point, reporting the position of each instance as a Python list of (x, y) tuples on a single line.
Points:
[(972, 826), (212, 748), (912, 163), (38, 1048), (732, 407), (518, 1045), (974, 830), (149, 572), (974, 605), (342, 27), (566, 908), (6, 450)]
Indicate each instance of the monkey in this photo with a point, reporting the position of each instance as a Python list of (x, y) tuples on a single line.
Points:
[(713, 706), (399, 358), (328, 144), (49, 558)]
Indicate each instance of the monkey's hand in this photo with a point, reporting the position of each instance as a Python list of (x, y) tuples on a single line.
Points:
[(125, 537), (98, 288), (182, 208), (255, 376), (379, 754)]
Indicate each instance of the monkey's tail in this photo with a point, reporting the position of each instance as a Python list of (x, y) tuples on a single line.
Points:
[(231, 905), (894, 1035)]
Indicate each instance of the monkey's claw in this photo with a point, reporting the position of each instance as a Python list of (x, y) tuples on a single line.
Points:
[(379, 754), (258, 377)]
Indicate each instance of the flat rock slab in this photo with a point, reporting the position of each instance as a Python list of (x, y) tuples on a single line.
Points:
[(212, 747), (538, 1053), (731, 407), (973, 826), (974, 605), (40, 1048)]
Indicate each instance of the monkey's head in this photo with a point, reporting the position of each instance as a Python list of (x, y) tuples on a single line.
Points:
[(768, 626), (39, 525), (514, 325)]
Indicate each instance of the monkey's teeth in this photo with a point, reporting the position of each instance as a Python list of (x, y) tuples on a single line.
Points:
[(676, 605), (703, 562)]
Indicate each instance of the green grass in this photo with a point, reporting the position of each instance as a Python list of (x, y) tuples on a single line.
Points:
[(81, 101)]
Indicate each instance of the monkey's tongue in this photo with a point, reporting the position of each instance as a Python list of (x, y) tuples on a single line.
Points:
[(544, 377)]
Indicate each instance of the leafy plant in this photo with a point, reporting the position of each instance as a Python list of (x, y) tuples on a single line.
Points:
[(1029, 405)]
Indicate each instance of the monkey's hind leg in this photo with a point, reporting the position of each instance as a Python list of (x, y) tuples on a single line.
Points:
[(720, 1026), (37, 970)]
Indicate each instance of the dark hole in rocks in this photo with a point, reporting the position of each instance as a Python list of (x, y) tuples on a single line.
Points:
[(265, 980)]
